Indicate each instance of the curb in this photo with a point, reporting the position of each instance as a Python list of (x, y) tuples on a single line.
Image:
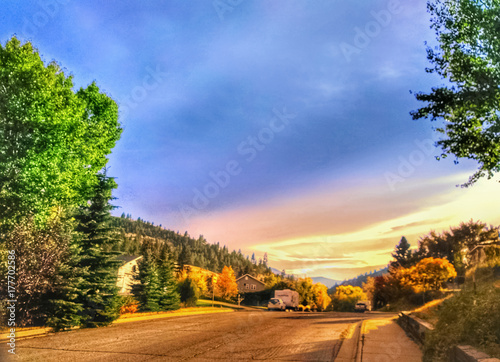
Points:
[(361, 343), (350, 345)]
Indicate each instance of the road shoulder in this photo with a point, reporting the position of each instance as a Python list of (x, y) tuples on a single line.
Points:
[(24, 333)]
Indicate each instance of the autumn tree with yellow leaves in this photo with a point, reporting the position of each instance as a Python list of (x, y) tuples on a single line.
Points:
[(320, 296), (431, 273), (346, 296), (226, 285)]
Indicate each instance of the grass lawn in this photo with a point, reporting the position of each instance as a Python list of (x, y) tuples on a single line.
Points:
[(208, 303)]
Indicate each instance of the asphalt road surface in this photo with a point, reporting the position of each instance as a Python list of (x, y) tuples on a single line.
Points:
[(238, 336)]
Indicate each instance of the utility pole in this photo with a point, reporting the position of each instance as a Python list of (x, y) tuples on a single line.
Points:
[(214, 281)]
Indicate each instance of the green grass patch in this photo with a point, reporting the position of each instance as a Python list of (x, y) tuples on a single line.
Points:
[(208, 303), (471, 317), (429, 311)]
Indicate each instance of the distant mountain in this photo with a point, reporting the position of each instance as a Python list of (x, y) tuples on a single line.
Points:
[(360, 279), (278, 272), (326, 281)]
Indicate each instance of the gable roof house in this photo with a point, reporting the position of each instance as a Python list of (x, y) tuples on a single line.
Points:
[(126, 273), (248, 283)]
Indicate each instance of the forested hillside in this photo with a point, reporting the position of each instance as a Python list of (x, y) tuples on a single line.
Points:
[(359, 280), (185, 249)]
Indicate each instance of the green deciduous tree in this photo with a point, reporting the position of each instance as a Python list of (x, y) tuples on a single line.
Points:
[(53, 140), (468, 57), (53, 147), (455, 244)]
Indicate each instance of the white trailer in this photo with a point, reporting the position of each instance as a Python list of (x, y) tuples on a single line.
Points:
[(289, 297)]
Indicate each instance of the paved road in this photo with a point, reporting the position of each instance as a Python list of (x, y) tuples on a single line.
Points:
[(238, 336)]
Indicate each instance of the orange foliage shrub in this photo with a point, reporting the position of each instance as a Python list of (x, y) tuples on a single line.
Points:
[(130, 305)]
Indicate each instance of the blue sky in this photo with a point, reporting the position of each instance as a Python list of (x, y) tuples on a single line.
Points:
[(271, 126)]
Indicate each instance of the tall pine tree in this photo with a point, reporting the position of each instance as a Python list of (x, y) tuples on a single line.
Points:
[(169, 298), (99, 267), (148, 290), (402, 254)]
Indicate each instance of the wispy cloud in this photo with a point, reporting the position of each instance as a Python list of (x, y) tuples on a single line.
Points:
[(363, 228)]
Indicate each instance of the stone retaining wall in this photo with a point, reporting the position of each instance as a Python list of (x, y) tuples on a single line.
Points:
[(414, 326), (469, 354), (417, 328)]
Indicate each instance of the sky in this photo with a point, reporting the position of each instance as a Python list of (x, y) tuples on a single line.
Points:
[(278, 127)]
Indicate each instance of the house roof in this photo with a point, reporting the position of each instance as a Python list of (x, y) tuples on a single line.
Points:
[(254, 278), (482, 245)]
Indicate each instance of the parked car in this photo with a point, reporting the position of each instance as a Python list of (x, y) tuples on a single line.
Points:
[(361, 307), (276, 304)]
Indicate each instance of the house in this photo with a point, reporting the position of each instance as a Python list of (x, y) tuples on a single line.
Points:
[(126, 273), (481, 253), (248, 283)]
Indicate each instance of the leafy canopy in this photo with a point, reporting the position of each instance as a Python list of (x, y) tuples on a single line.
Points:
[(226, 283), (53, 140), (468, 56), (346, 296), (433, 272)]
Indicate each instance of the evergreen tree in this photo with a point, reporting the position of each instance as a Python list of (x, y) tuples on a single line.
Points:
[(402, 254), (148, 290), (185, 256), (64, 309), (170, 298), (97, 262), (189, 292)]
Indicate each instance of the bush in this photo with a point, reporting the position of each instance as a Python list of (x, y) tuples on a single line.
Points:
[(418, 299), (306, 308), (128, 305), (470, 317), (346, 297), (189, 292)]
